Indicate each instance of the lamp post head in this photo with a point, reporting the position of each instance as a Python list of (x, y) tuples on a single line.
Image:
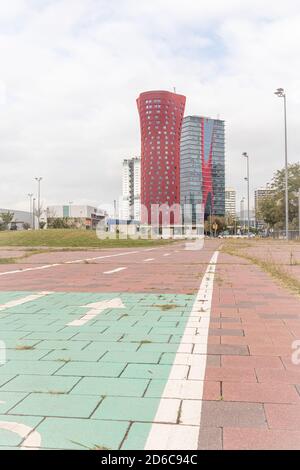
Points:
[(279, 92), (245, 154)]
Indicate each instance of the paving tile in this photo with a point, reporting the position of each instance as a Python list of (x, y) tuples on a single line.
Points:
[(210, 439), (278, 376), (225, 332), (252, 362), (71, 355), (30, 367), (111, 346), (41, 383), (6, 378), (226, 349), (9, 399), (111, 387), (230, 374), (60, 433), (132, 357), (260, 392), (283, 416), (154, 371), (43, 404), (91, 369), (137, 436), (127, 409), (260, 439), (230, 414)]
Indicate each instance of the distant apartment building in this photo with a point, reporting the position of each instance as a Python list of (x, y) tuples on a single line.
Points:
[(79, 216), (259, 195), (202, 164), (230, 202), (161, 115), (130, 202)]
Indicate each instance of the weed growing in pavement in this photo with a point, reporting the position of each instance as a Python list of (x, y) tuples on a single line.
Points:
[(166, 306), (268, 265)]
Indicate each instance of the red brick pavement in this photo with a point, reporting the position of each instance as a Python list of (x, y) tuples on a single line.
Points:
[(256, 322)]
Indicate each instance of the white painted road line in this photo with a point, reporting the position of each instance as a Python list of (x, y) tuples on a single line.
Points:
[(115, 270), (148, 259), (184, 435), (167, 254), (47, 266), (96, 309), (24, 300)]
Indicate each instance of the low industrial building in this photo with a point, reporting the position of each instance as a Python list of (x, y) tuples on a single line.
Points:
[(74, 216)]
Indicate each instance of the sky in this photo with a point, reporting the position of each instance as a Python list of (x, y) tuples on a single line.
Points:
[(71, 70)]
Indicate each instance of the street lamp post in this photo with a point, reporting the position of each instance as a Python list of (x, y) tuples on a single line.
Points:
[(39, 179), (281, 94), (33, 213), (248, 191), (30, 195)]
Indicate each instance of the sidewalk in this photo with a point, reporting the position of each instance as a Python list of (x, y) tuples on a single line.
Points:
[(254, 322)]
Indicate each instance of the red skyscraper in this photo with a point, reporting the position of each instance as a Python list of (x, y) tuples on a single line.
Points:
[(161, 115)]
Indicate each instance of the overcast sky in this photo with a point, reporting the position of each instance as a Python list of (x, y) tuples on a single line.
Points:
[(71, 71)]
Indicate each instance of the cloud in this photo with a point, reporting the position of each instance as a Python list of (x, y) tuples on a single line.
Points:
[(71, 71)]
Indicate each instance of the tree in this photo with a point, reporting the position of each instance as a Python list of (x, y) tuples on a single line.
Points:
[(7, 218), (272, 207)]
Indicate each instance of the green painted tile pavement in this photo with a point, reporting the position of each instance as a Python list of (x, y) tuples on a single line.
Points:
[(25, 355), (136, 437), (9, 399), (30, 367), (59, 433), (138, 357), (111, 387), (41, 383), (43, 404), (98, 372), (112, 346), (127, 409), (91, 369), (6, 378), (9, 438), (89, 356), (62, 345), (147, 371)]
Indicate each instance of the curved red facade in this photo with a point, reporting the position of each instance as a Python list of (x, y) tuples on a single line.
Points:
[(161, 114)]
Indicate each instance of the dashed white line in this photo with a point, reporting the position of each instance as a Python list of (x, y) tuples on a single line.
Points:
[(167, 436), (167, 254), (148, 259), (47, 266), (115, 270)]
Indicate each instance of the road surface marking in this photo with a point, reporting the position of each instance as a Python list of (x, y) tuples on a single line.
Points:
[(184, 435), (167, 254), (24, 300), (47, 266), (33, 438), (115, 270), (148, 259), (96, 309)]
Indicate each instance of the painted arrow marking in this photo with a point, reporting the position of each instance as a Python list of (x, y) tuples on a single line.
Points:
[(96, 309), (24, 300), (32, 438)]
